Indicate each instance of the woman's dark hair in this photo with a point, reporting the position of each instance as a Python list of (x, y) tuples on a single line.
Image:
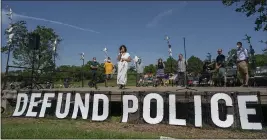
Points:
[(239, 43), (123, 46), (160, 62)]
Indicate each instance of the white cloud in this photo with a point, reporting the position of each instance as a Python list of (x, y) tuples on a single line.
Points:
[(161, 15), (16, 16)]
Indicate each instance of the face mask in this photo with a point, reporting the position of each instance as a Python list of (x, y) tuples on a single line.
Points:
[(237, 46), (94, 60)]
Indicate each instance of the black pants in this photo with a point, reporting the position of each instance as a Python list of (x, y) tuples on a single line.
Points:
[(181, 78), (94, 77)]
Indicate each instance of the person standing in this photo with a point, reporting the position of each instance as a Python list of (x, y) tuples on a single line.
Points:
[(140, 71), (181, 64), (160, 72), (123, 60), (220, 60), (108, 70), (94, 66), (242, 63)]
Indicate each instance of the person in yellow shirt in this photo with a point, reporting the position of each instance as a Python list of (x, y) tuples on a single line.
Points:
[(108, 70)]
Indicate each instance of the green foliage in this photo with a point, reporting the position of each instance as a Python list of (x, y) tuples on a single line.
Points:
[(261, 60), (20, 36), (231, 60), (170, 65), (23, 55), (195, 65), (150, 69), (252, 7)]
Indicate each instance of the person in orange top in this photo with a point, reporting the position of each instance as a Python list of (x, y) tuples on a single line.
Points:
[(108, 69)]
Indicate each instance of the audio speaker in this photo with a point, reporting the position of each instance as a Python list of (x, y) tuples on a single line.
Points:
[(34, 41)]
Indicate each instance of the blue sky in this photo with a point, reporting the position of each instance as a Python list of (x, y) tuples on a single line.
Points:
[(141, 26)]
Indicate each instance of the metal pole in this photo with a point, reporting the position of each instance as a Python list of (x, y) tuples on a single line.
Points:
[(171, 70), (33, 60), (83, 74), (185, 79), (171, 62), (53, 82), (136, 82)]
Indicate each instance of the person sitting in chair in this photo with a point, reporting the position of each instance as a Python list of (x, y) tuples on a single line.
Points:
[(220, 60)]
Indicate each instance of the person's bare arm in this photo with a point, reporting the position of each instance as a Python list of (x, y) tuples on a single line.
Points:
[(127, 60), (119, 57)]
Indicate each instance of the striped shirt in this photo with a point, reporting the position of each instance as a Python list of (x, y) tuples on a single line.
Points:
[(242, 54), (181, 65)]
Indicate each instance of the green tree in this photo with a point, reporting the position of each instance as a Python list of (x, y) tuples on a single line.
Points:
[(20, 32), (150, 69), (231, 59), (23, 54), (170, 65), (261, 60), (252, 7), (195, 65)]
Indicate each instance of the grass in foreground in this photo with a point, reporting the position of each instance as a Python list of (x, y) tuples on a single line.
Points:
[(20, 128)]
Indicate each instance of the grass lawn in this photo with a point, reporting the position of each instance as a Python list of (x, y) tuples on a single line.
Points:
[(20, 128)]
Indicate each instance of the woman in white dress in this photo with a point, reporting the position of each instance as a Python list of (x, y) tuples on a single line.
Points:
[(123, 60)]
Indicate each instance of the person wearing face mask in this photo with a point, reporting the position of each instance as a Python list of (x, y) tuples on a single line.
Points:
[(242, 63), (94, 66), (108, 70), (220, 60), (123, 60)]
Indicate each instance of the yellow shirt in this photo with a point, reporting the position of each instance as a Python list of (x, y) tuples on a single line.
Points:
[(108, 68)]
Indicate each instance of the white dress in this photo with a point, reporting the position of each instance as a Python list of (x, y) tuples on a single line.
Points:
[(122, 70)]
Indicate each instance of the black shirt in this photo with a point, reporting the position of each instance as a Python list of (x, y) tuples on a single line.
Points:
[(160, 66), (94, 63), (220, 60)]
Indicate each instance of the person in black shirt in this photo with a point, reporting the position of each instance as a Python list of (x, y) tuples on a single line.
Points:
[(160, 72), (220, 60)]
